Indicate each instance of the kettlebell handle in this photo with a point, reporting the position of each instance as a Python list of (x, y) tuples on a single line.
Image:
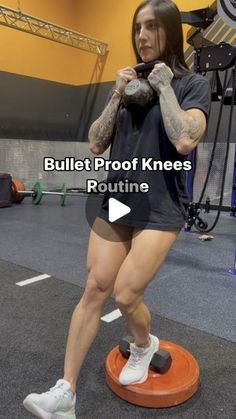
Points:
[(139, 68), (138, 91)]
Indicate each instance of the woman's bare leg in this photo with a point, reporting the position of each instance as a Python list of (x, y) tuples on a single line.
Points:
[(104, 260), (149, 249)]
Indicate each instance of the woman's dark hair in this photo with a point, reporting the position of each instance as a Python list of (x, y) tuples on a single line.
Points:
[(168, 16)]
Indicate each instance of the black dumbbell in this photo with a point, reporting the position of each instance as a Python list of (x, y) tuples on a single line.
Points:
[(161, 360)]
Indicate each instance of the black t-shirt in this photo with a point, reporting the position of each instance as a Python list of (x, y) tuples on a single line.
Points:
[(140, 133)]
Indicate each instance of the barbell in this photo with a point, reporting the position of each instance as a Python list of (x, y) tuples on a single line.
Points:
[(37, 192)]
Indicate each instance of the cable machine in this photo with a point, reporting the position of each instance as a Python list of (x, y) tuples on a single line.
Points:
[(210, 57)]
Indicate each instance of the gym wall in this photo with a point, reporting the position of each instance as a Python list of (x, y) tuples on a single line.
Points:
[(109, 21), (51, 91)]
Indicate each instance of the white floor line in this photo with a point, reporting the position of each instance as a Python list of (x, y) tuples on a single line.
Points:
[(32, 280), (110, 317)]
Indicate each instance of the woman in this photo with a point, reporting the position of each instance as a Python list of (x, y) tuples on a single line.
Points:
[(127, 258)]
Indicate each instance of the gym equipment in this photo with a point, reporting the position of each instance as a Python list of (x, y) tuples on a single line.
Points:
[(35, 26), (193, 218), (17, 185), (139, 91), (232, 271), (161, 360), (172, 388), (5, 190), (215, 58), (37, 192), (227, 11)]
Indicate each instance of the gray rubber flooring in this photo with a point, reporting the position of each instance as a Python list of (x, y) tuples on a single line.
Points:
[(193, 303), (193, 287), (34, 323)]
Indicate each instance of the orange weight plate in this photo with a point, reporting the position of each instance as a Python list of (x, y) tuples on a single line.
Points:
[(174, 387), (17, 185)]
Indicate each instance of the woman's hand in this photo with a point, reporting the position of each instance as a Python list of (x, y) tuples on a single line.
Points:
[(124, 76), (160, 77)]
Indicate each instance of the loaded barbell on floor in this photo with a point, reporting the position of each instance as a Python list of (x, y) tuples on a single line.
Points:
[(37, 192), (161, 360)]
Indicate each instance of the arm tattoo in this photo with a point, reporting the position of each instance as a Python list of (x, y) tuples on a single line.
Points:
[(101, 130), (178, 124)]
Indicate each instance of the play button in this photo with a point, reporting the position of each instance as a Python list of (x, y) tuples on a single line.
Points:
[(113, 215), (117, 210)]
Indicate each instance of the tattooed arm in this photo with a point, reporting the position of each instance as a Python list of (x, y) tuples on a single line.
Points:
[(184, 128), (101, 130)]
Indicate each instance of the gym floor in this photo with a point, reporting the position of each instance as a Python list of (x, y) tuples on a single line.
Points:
[(192, 300)]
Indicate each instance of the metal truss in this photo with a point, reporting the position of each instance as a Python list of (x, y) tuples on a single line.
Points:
[(16, 19)]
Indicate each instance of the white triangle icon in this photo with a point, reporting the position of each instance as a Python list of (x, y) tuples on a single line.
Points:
[(116, 209)]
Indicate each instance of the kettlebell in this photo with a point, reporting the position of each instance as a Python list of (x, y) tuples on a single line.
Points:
[(139, 91)]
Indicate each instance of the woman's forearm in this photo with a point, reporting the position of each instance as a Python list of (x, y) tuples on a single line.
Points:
[(179, 125), (101, 130)]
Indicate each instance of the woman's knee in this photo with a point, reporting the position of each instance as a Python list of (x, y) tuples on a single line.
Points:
[(127, 300), (98, 289)]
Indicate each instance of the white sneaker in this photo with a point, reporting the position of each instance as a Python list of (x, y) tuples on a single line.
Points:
[(135, 370), (57, 403)]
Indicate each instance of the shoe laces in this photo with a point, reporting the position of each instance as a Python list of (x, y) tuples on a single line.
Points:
[(136, 356), (59, 391)]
